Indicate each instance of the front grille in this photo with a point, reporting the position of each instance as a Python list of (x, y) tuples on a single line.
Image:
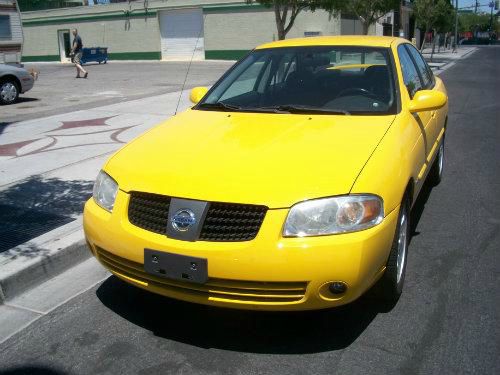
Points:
[(232, 222), (224, 221), (149, 211), (232, 291)]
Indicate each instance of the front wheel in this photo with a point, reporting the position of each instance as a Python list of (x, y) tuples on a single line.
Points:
[(9, 92), (391, 284)]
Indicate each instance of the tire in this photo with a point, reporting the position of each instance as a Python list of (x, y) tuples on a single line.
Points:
[(391, 283), (9, 91), (436, 172)]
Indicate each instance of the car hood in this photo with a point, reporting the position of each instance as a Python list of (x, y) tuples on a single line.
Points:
[(275, 160)]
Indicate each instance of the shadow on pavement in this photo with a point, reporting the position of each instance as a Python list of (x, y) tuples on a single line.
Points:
[(26, 99), (418, 208), (37, 206), (3, 126), (240, 330), (32, 370)]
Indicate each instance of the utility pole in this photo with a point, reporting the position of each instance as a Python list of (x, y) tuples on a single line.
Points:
[(456, 24), (492, 5)]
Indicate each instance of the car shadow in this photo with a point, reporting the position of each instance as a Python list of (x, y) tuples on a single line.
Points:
[(32, 370), (241, 330), (26, 99), (418, 208)]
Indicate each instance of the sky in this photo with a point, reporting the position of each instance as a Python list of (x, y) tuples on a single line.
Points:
[(466, 3)]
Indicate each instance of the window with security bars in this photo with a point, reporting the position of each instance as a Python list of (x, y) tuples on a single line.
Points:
[(5, 30)]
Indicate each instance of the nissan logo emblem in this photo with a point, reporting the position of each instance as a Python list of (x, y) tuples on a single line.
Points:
[(183, 219)]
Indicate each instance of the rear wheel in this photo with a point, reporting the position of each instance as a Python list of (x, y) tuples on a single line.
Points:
[(391, 284), (436, 172), (9, 91)]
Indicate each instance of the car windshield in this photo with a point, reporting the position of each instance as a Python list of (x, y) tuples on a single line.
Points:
[(318, 79)]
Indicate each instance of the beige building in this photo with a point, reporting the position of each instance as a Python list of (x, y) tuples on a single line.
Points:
[(167, 30), (11, 33)]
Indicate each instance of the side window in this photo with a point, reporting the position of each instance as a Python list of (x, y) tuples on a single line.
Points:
[(410, 74), (423, 68)]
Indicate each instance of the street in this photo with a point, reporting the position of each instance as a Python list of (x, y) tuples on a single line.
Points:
[(446, 321), (57, 90)]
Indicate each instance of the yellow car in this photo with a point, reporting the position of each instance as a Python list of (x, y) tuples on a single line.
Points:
[(288, 185)]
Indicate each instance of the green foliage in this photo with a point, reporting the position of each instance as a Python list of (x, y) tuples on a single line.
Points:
[(476, 22), (434, 14), (31, 5), (367, 11)]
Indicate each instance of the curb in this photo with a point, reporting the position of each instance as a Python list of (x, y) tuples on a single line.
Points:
[(438, 69), (42, 258)]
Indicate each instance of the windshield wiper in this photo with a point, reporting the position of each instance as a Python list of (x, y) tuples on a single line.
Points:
[(231, 107), (303, 109), (220, 105)]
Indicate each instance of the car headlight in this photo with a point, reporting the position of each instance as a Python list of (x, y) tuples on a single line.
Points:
[(105, 189), (334, 215)]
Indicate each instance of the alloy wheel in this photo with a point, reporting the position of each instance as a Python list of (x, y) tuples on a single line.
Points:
[(8, 92), (402, 246)]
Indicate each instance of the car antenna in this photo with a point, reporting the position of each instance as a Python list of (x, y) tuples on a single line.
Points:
[(189, 66)]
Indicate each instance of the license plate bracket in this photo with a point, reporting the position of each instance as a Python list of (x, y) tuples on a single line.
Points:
[(175, 266)]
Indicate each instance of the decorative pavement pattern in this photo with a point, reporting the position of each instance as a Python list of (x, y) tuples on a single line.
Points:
[(48, 165)]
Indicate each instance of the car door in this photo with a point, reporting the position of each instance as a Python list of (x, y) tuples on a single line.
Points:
[(429, 83), (423, 119)]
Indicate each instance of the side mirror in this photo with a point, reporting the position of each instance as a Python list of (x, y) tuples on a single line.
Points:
[(197, 93), (427, 100)]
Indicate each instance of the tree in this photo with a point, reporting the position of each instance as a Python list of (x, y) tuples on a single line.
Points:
[(367, 11), (285, 13), (476, 22), (433, 15)]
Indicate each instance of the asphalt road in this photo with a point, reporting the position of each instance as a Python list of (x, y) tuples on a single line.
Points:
[(57, 91), (446, 322)]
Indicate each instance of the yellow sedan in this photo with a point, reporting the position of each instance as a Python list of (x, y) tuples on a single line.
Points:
[(287, 186)]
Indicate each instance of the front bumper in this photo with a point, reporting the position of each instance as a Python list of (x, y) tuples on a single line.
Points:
[(267, 273), (27, 83)]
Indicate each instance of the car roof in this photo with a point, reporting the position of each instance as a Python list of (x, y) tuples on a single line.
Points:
[(343, 40)]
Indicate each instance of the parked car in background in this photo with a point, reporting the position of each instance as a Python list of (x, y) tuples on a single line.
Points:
[(14, 81)]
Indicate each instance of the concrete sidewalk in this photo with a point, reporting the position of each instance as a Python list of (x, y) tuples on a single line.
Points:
[(47, 169), (444, 59)]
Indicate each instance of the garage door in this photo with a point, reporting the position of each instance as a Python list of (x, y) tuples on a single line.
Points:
[(182, 34)]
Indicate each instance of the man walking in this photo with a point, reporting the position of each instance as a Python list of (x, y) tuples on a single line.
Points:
[(76, 51)]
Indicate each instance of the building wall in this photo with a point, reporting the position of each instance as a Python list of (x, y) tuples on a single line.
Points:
[(232, 33), (7, 7), (231, 28), (137, 39), (10, 49)]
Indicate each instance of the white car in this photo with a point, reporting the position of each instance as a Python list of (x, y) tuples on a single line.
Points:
[(13, 81)]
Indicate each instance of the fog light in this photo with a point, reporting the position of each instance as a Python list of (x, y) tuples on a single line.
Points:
[(337, 287)]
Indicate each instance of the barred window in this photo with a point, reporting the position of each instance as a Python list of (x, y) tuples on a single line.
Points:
[(5, 30)]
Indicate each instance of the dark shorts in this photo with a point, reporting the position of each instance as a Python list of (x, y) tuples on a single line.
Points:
[(77, 58)]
